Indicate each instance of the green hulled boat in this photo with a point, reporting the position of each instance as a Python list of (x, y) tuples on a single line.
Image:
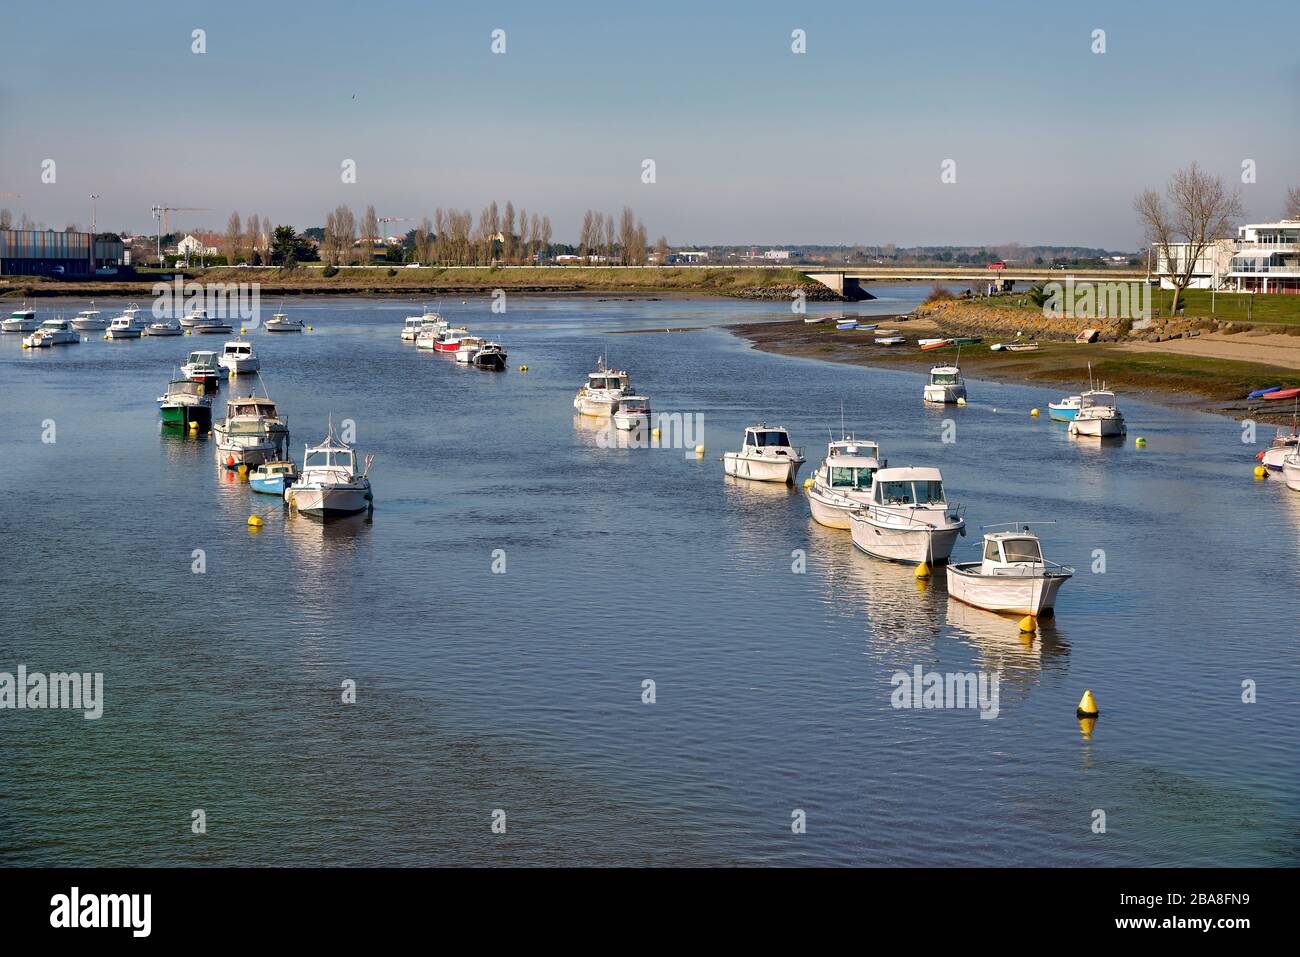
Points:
[(184, 402)]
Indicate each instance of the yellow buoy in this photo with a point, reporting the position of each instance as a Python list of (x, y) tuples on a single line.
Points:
[(807, 483), (699, 450), (1034, 413), (1141, 442), (254, 521), (923, 570), (243, 471), (1086, 725), (1087, 706), (242, 330), (1260, 472), (106, 336), (187, 332), (655, 432), (1027, 623), (309, 328), (961, 401), (523, 368), (194, 426)]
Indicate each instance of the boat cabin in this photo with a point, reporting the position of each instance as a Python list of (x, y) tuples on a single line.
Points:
[(613, 381), (22, 315), (122, 322), (185, 387), (945, 375), (275, 470), (330, 456), (634, 405), (1097, 399), (763, 438), (1010, 553), (238, 349), (853, 447), (56, 325), (252, 405), (909, 487), (205, 360)]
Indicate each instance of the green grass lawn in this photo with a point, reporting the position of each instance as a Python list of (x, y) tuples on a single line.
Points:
[(1274, 308)]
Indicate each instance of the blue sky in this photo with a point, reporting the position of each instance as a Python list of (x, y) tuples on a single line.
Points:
[(752, 143)]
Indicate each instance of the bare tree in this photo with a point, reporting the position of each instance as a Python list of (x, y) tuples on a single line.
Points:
[(609, 237), (585, 244), (661, 250), (626, 235), (546, 236), (231, 245), (1199, 210), (1292, 203), (252, 236)]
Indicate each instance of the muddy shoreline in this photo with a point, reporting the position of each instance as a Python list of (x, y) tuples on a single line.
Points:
[(1060, 368)]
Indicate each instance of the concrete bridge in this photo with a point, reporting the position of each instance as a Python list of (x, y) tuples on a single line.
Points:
[(848, 281)]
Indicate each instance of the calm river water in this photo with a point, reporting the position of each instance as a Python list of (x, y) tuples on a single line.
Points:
[(522, 691)]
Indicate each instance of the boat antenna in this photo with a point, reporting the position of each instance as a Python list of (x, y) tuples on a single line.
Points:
[(1090, 375), (842, 417)]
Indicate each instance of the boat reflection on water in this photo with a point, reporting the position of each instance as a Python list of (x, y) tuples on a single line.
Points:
[(899, 608), (743, 492), (1020, 657), (600, 432)]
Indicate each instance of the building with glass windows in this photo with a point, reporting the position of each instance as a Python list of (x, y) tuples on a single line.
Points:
[(1265, 257)]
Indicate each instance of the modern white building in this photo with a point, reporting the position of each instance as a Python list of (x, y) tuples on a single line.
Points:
[(1265, 257), (778, 254)]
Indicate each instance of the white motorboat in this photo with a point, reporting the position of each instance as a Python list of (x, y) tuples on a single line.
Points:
[(1013, 577), (945, 385), (1097, 416), (21, 320), (243, 441), (1283, 445), (89, 320), (263, 409), (843, 480), (282, 323), (491, 356), (200, 323), (414, 325), (632, 412), (603, 388), (52, 332), (329, 485), (909, 519), (469, 346), (163, 327), (201, 366), (1291, 471), (765, 456), (238, 357), (448, 340), (890, 340), (129, 325)]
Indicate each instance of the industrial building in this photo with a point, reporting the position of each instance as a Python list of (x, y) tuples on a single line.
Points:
[(32, 252)]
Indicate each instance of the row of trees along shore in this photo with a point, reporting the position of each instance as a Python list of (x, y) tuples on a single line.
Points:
[(454, 237)]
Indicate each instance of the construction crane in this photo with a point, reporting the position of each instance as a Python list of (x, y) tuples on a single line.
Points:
[(160, 213)]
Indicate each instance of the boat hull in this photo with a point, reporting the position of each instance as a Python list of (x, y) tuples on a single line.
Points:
[(631, 421), (1097, 428), (911, 545), (600, 408), (782, 469), (1291, 474), (828, 513), (492, 361), (239, 366), (268, 486), (182, 415), (1062, 413), (1011, 594), (328, 502), (944, 394)]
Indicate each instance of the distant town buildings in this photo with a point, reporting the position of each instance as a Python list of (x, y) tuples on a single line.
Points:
[(1265, 257), (32, 252)]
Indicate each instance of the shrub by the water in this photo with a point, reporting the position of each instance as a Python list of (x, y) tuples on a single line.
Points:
[(329, 271)]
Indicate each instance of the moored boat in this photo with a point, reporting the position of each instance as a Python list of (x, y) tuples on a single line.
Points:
[(1066, 409), (272, 478), (1282, 446), (908, 518), (843, 480), (491, 356), (52, 332), (129, 325), (449, 339), (201, 366), (89, 320), (329, 485), (1098, 416), (238, 357), (945, 386), (632, 412), (469, 346), (1291, 471), (262, 409), (279, 322), (163, 327), (185, 401), (1012, 577), (599, 395), (21, 320), (766, 455)]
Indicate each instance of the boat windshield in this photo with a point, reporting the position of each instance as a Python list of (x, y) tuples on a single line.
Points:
[(943, 378), (859, 478), (327, 458), (772, 438), (1021, 550), (240, 350), (910, 493)]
